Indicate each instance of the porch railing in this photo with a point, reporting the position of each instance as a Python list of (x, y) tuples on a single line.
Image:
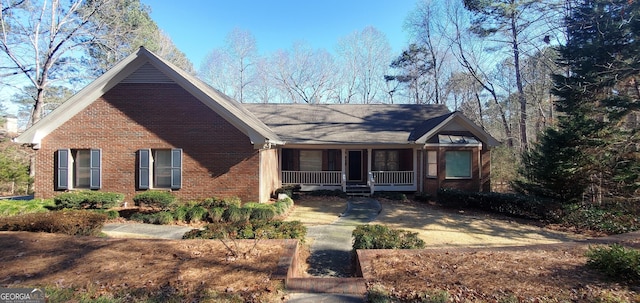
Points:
[(312, 177), (394, 177)]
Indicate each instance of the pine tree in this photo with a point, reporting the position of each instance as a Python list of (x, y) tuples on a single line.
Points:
[(594, 151)]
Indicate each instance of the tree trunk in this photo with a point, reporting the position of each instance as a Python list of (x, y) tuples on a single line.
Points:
[(521, 97)]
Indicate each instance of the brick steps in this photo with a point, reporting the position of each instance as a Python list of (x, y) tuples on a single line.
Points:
[(327, 285)]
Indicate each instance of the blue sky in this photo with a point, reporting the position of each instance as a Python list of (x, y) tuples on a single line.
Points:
[(198, 26)]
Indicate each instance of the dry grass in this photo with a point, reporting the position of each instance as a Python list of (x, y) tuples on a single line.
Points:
[(112, 267), (440, 227), (312, 210), (546, 274)]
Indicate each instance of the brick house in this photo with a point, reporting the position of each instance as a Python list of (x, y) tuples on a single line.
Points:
[(147, 125)]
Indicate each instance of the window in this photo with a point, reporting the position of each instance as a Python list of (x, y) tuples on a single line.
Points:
[(432, 163), (386, 160), (458, 164), (78, 168), (160, 168), (311, 160)]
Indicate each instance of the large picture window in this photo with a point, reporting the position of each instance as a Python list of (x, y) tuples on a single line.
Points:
[(458, 164), (160, 168), (78, 169)]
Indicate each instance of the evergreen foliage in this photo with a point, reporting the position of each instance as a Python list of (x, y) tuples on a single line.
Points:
[(593, 154)]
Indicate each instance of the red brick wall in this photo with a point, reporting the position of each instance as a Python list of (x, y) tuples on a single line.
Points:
[(218, 159)]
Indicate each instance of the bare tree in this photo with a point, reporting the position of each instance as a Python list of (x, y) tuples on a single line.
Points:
[(364, 57), (242, 49), (429, 30), (215, 68), (304, 74), (49, 43)]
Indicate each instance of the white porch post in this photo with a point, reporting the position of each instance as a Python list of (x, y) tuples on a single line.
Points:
[(369, 152), (344, 170), (419, 174)]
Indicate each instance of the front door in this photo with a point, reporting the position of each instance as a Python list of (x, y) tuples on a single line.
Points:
[(354, 166)]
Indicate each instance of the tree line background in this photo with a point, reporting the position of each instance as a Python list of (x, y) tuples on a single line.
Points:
[(502, 63)]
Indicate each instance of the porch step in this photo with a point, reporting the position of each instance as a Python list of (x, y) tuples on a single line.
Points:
[(358, 190)]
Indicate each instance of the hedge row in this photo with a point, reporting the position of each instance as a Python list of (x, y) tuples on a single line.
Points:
[(215, 210), (87, 200), (70, 222), (254, 229), (509, 204)]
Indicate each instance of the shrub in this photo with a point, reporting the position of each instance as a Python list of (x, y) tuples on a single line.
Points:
[(263, 213), (196, 213), (609, 217), (236, 214), (327, 193), (250, 230), (282, 206), (111, 213), (180, 213), (155, 199), (70, 222), (515, 205), (290, 190), (423, 197), (215, 214), (87, 199), (391, 195), (163, 218), (224, 202), (616, 262), (381, 237)]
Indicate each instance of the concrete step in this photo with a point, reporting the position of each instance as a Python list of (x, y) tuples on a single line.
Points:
[(327, 285)]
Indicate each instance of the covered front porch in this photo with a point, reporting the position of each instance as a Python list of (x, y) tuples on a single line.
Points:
[(352, 170)]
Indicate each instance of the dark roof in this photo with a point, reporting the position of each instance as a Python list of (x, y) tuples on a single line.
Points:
[(347, 123), (427, 125)]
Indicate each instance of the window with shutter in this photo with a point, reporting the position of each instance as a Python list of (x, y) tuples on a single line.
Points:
[(160, 168), (78, 169)]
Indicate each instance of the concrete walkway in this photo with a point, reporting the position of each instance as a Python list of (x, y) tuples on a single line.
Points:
[(141, 230), (332, 244)]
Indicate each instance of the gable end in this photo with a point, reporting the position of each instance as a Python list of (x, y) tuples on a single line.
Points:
[(148, 73)]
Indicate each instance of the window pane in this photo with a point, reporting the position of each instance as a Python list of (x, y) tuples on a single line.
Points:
[(82, 168), (458, 164), (379, 160), (393, 161), (311, 160), (162, 168), (432, 161)]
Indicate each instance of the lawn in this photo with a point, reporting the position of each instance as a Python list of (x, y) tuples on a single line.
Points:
[(17, 207)]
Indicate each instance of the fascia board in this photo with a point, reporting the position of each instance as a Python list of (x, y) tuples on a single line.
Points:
[(80, 100), (469, 125)]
